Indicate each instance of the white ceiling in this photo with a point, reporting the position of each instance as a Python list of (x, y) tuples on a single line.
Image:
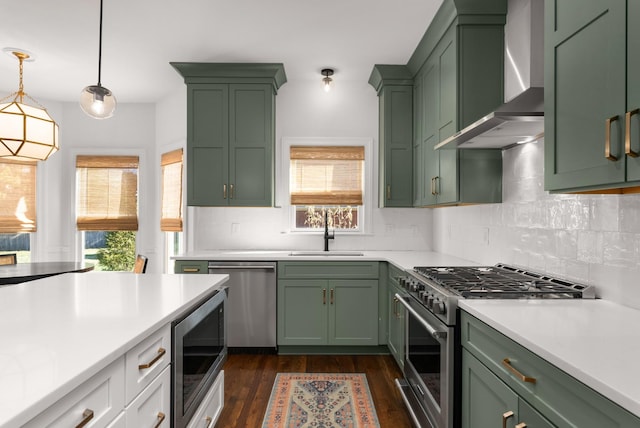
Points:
[(141, 37)]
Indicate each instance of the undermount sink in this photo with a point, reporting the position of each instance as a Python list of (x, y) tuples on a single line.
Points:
[(326, 253)]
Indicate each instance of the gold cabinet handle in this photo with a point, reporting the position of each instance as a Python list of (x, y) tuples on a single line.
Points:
[(324, 296), (388, 192), (224, 191), (190, 269), (209, 421), (161, 417), (331, 298), (521, 425), (231, 191), (507, 363), (87, 415), (607, 138), (505, 416), (627, 133), (395, 307), (161, 352), (433, 185)]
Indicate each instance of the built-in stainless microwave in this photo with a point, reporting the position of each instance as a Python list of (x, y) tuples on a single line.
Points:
[(199, 350)]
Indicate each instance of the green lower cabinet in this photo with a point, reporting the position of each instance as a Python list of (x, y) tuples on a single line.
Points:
[(191, 266), (396, 317), (342, 312), (488, 402), (549, 398)]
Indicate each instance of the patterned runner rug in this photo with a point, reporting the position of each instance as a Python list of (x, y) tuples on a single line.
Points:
[(320, 400)]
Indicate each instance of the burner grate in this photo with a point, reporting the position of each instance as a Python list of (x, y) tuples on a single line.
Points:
[(500, 281)]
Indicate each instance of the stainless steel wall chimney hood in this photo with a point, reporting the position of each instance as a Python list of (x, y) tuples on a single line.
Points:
[(521, 118)]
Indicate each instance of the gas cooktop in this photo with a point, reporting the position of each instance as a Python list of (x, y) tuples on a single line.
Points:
[(501, 282)]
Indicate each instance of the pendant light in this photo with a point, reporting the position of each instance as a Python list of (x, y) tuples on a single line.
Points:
[(96, 100), (327, 81), (27, 132)]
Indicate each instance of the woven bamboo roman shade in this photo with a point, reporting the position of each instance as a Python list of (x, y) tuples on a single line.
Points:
[(107, 192), (17, 196), (326, 175), (171, 216)]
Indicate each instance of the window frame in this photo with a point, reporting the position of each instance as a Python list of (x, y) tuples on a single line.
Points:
[(365, 211)]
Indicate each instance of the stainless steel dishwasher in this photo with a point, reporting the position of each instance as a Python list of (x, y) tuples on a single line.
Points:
[(251, 305)]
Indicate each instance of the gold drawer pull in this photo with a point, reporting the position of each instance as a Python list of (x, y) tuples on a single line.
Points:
[(332, 296), (161, 352), (324, 296), (87, 415), (224, 191), (627, 134), (388, 192), (507, 363), (505, 416), (607, 139), (231, 192), (161, 417), (209, 421), (521, 425), (191, 270)]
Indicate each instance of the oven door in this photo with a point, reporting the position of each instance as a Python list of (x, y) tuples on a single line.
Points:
[(199, 350), (429, 370)]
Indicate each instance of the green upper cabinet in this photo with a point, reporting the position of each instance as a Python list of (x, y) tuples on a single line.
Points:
[(458, 69), (230, 132), (591, 95), (395, 91)]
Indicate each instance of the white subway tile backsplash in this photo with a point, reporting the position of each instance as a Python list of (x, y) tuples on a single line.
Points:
[(593, 239)]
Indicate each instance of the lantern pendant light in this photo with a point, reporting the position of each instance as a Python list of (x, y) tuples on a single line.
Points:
[(27, 132), (96, 100)]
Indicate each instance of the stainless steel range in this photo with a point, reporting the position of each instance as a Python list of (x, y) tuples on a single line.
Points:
[(432, 357)]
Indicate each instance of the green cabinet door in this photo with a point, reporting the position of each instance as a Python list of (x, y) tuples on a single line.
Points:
[(191, 266), (396, 146), (488, 402), (585, 88), (633, 89), (353, 312), (302, 312), (394, 85), (207, 144), (251, 140), (430, 129)]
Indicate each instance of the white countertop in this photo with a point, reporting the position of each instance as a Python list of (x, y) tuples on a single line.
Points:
[(402, 259), (595, 341), (55, 333)]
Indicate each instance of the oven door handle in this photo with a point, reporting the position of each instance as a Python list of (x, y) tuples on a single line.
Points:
[(432, 331)]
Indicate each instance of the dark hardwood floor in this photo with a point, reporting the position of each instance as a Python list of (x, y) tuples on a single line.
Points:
[(249, 379)]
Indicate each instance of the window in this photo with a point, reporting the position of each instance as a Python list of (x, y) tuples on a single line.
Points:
[(107, 203), (171, 164), (326, 178), (17, 207)]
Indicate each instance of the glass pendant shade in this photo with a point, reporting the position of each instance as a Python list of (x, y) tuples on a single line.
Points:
[(97, 102), (327, 81)]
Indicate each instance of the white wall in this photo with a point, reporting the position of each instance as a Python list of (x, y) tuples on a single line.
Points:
[(594, 239), (304, 110)]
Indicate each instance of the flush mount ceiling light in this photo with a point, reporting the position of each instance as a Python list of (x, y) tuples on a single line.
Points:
[(96, 100), (327, 81), (26, 132)]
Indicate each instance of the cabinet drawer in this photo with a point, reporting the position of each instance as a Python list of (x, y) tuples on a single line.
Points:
[(210, 408), (328, 270), (102, 396), (152, 408), (191, 266), (562, 399), (146, 360)]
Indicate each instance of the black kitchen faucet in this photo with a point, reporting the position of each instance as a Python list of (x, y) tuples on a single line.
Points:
[(326, 231)]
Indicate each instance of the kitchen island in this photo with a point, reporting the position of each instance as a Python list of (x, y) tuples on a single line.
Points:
[(58, 332)]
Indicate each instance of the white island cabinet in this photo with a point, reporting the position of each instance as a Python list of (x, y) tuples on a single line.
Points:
[(93, 347)]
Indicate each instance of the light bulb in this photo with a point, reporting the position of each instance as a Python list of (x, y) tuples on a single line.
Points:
[(327, 83)]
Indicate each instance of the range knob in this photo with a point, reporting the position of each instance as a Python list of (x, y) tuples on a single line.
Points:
[(439, 307), (430, 300)]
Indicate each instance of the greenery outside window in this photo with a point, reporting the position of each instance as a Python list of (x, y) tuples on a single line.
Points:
[(326, 179), (107, 202)]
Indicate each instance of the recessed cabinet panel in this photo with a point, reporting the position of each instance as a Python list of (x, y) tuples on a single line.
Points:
[(207, 165), (448, 89), (209, 115)]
